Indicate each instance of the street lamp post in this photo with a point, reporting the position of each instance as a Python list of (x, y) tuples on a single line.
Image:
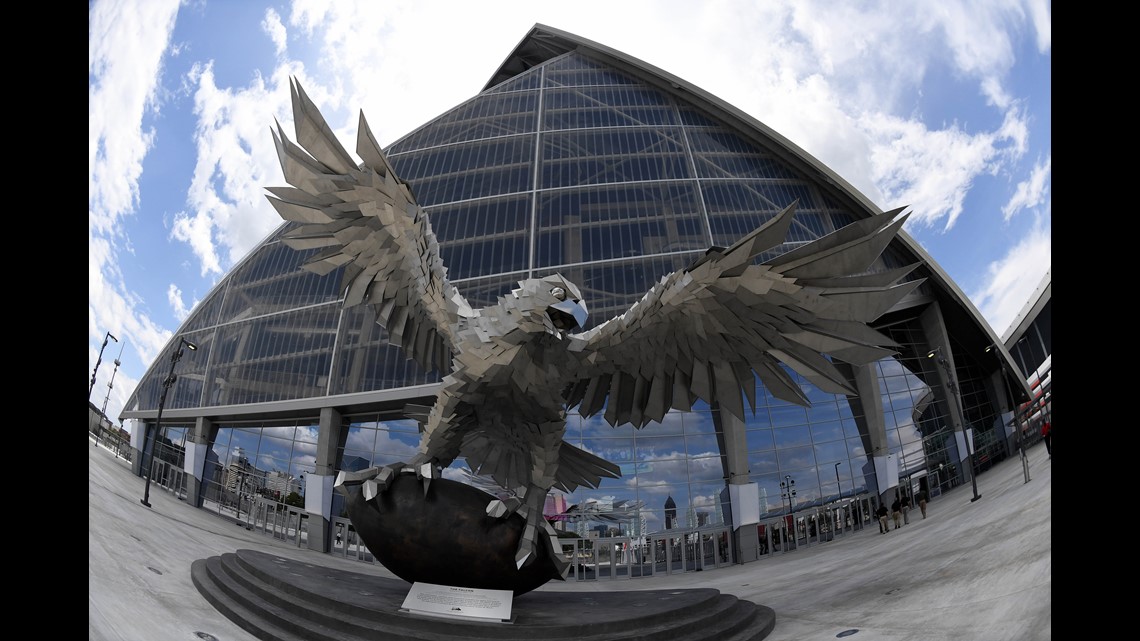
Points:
[(788, 490), (1013, 414), (837, 481), (166, 384), (109, 336), (937, 351)]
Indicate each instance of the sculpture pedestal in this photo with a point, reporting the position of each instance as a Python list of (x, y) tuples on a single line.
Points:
[(455, 602)]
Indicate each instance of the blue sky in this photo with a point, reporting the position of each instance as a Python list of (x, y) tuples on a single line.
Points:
[(941, 106)]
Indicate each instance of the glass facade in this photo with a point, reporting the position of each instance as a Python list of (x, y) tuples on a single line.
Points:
[(584, 169)]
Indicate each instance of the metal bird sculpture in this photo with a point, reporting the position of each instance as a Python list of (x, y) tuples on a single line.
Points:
[(514, 369)]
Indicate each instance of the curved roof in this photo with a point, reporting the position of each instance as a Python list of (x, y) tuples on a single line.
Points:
[(543, 43)]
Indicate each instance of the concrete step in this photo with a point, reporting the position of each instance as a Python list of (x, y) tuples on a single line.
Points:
[(280, 599)]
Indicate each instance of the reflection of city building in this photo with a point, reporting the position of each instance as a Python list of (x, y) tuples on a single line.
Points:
[(355, 463), (280, 484), (579, 159), (670, 513)]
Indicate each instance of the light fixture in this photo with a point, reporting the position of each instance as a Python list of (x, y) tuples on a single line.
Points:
[(166, 384)]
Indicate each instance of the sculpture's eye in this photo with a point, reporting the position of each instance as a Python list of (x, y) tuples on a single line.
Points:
[(558, 293)]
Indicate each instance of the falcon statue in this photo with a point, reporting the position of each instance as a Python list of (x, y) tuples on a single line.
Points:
[(514, 369)]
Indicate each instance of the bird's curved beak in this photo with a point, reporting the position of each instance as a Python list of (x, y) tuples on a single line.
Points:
[(569, 314)]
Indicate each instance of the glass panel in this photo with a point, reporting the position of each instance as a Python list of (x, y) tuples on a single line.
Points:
[(707, 506), (367, 362), (273, 358), (486, 116), (787, 415), (468, 170), (483, 238), (661, 472), (586, 107), (759, 440), (763, 463), (616, 450), (796, 457), (618, 222), (594, 157), (786, 437), (702, 445), (706, 468), (826, 431)]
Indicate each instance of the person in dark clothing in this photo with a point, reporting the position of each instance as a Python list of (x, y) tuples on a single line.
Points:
[(1046, 428), (882, 514), (896, 512), (921, 496)]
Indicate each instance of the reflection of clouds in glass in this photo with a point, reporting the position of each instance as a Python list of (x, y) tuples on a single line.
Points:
[(361, 440), (705, 500), (796, 458), (665, 471), (658, 489), (596, 425), (459, 473), (283, 432), (305, 448), (267, 463), (309, 433), (705, 468), (651, 453), (305, 463), (397, 444), (892, 367)]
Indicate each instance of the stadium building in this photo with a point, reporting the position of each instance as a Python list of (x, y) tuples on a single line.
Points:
[(578, 159)]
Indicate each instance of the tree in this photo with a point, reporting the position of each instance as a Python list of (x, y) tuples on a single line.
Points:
[(295, 500)]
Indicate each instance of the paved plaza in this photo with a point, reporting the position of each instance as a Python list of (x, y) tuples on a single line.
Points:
[(980, 571)]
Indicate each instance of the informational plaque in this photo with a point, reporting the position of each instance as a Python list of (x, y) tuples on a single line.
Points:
[(458, 603)]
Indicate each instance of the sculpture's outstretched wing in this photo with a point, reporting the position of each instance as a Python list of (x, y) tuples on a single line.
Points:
[(703, 331), (367, 220)]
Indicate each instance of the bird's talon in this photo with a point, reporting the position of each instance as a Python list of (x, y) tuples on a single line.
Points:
[(371, 489)]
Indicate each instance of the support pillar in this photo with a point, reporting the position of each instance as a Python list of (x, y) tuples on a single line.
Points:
[(743, 495), (319, 484), (198, 445)]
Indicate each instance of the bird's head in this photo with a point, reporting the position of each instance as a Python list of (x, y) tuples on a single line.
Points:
[(554, 301)]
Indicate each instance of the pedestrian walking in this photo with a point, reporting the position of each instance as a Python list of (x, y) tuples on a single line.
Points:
[(1045, 434), (906, 508), (922, 502), (896, 512), (882, 514)]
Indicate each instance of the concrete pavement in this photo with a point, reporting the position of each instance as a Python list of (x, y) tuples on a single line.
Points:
[(971, 570)]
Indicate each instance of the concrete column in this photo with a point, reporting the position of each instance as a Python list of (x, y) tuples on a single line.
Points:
[(138, 439), (743, 495), (198, 445), (867, 408), (934, 328), (319, 484)]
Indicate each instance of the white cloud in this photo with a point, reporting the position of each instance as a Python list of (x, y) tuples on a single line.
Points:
[(1031, 192), (1012, 280), (125, 48), (174, 297), (126, 42), (929, 170)]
